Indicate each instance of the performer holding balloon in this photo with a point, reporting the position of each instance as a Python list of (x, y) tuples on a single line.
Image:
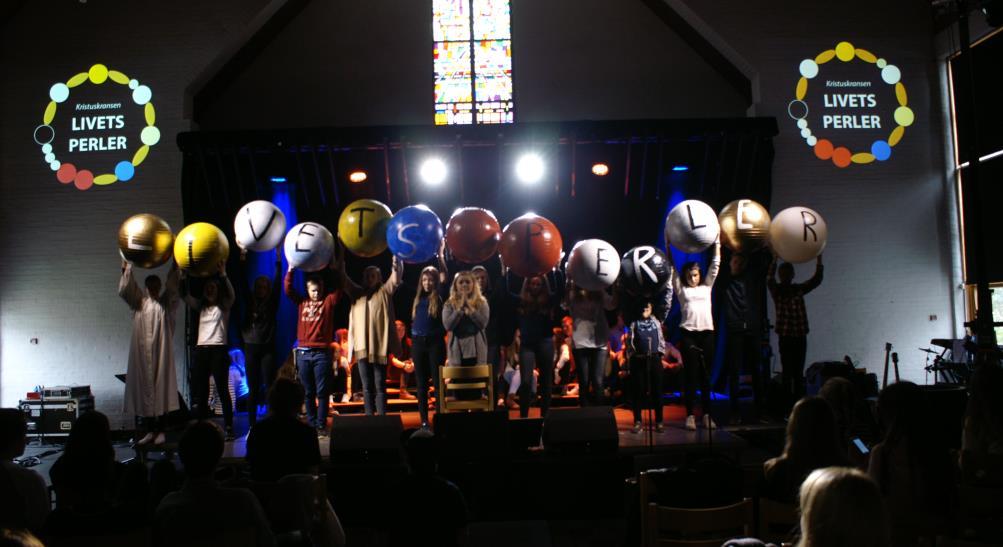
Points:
[(791, 323), (210, 355), (697, 323), (371, 332), (310, 246), (258, 332)]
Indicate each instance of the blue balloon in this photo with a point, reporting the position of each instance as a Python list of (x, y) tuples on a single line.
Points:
[(414, 234)]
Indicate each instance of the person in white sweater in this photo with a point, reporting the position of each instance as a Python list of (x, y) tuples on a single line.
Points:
[(697, 323)]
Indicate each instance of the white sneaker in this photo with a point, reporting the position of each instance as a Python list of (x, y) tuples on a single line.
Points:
[(146, 439), (708, 422), (691, 422), (346, 398), (159, 439)]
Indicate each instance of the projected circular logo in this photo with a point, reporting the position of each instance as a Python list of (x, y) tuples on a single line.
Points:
[(103, 133), (857, 113)]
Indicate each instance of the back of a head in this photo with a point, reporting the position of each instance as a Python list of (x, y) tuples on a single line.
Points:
[(902, 412), (285, 397), (90, 438), (13, 428), (421, 452), (842, 507), (200, 449), (812, 439), (18, 538)]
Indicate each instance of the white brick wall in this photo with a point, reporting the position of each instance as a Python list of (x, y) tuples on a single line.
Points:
[(60, 269)]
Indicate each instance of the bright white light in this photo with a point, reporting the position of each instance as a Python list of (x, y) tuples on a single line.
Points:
[(529, 168), (433, 171)]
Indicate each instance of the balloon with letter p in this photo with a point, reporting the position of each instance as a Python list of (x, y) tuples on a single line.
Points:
[(593, 264), (414, 234), (691, 226), (798, 234), (530, 245)]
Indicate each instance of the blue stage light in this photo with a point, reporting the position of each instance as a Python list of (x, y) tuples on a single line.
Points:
[(678, 168), (277, 180)]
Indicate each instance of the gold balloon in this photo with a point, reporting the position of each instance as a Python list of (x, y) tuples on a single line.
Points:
[(199, 248), (745, 225), (145, 240), (362, 227)]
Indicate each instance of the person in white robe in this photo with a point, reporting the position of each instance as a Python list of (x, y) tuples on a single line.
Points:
[(151, 386)]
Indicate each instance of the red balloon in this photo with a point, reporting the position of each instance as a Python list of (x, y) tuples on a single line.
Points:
[(531, 245), (472, 234)]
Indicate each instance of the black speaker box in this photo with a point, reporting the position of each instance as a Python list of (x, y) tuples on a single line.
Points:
[(590, 430), (473, 436), (366, 439)]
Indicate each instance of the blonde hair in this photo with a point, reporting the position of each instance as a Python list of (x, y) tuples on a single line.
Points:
[(434, 301), (474, 300), (842, 507)]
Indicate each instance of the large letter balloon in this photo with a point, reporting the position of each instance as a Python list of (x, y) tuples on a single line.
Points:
[(363, 227), (472, 235), (309, 247), (691, 226), (745, 225), (199, 247), (593, 264), (644, 270), (145, 240), (530, 245), (798, 234), (259, 226), (414, 234)]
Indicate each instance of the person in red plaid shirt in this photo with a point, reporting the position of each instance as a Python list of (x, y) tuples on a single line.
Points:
[(791, 323)]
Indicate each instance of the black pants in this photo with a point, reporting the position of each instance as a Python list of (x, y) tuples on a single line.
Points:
[(741, 350), (259, 361), (428, 353), (212, 360), (698, 355), (539, 354), (591, 365), (646, 384), (792, 357)]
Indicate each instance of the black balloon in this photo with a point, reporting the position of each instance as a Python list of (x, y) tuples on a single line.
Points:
[(644, 270)]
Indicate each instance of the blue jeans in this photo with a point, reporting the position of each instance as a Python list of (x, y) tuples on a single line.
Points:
[(532, 355), (314, 366), (374, 387)]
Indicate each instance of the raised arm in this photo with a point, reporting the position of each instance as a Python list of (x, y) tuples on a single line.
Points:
[(228, 296), (715, 265), (771, 277), (443, 268), (816, 279), (396, 275), (127, 288), (172, 290), (186, 292), (290, 289)]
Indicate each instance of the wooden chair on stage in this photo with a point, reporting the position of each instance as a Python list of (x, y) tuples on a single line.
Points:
[(777, 521), (472, 377), (677, 527)]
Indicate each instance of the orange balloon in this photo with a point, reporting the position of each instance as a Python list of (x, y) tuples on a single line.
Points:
[(531, 245), (472, 235)]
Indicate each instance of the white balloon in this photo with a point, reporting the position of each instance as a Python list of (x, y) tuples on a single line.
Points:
[(798, 234), (593, 264), (309, 247), (259, 226), (691, 226)]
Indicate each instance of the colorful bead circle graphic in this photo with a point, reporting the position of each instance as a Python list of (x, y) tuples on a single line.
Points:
[(824, 149), (124, 170)]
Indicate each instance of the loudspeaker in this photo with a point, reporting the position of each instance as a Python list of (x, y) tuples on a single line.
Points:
[(589, 430), (473, 436), (366, 439)]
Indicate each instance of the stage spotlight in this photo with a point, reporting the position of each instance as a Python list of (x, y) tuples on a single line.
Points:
[(679, 168), (433, 171), (600, 169), (357, 176), (277, 180), (529, 168)]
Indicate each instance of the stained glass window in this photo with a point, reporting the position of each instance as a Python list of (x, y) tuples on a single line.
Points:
[(472, 61)]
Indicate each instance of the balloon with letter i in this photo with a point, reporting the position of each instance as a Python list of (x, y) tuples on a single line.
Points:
[(199, 247)]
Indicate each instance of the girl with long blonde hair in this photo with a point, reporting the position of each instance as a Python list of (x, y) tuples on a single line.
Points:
[(465, 315)]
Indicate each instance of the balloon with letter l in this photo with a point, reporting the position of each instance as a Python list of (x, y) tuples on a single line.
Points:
[(414, 234), (691, 226), (798, 234)]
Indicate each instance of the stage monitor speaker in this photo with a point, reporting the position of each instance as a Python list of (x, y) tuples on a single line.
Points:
[(473, 436), (587, 430), (366, 439)]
